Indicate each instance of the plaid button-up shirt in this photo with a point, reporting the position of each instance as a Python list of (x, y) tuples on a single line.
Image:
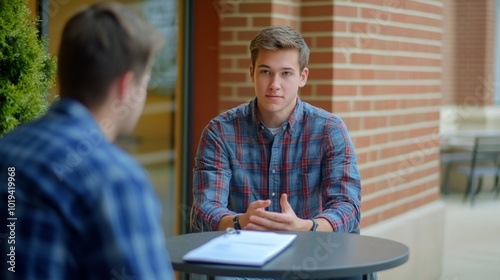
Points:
[(312, 160), (83, 208)]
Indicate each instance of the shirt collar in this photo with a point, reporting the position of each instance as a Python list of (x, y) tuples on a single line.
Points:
[(76, 110), (294, 118)]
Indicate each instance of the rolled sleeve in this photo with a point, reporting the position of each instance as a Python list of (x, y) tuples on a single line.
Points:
[(211, 177), (342, 187)]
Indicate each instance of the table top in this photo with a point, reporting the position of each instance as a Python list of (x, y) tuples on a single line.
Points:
[(311, 255), (463, 140)]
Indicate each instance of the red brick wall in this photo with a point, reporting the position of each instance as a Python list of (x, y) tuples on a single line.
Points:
[(378, 65), (469, 53), (449, 52)]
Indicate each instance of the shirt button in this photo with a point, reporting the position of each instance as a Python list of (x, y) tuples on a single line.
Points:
[(274, 171), (273, 194)]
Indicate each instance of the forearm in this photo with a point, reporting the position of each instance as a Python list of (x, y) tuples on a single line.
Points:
[(343, 217), (226, 222), (323, 225)]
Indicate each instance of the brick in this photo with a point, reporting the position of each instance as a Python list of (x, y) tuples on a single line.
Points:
[(321, 57), (244, 63), (261, 21), (361, 141), (363, 58), (352, 123), (321, 74), (234, 77), (255, 8), (384, 16), (307, 90), (323, 90), (374, 122), (372, 29), (233, 49), (324, 41), (345, 11), (283, 9), (322, 26), (380, 138), (325, 105), (363, 105), (368, 220), (342, 90), (246, 36), (341, 106), (421, 7), (385, 104), (283, 22), (246, 92), (319, 10), (345, 42), (373, 2), (235, 21)]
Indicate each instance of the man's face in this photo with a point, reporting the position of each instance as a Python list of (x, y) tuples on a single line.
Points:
[(277, 79)]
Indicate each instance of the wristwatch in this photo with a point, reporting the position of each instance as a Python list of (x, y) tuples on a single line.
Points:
[(315, 225), (236, 222)]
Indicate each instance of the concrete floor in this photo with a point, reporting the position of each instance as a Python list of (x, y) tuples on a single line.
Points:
[(472, 238)]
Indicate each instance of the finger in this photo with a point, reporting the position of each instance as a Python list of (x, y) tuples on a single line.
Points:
[(252, 226), (258, 223), (270, 218), (285, 206), (260, 204)]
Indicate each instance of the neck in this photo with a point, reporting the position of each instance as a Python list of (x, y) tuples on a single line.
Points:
[(276, 119), (106, 122)]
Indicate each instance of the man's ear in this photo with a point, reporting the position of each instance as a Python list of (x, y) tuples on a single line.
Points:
[(303, 77), (251, 73), (124, 84)]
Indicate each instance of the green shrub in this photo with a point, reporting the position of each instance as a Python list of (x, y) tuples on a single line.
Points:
[(27, 71)]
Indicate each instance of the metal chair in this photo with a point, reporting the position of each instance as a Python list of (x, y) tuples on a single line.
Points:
[(458, 150), (485, 148)]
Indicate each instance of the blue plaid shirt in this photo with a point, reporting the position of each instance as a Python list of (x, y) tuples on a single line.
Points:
[(312, 160), (80, 208)]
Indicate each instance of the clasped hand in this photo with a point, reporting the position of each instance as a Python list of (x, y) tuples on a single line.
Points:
[(258, 218)]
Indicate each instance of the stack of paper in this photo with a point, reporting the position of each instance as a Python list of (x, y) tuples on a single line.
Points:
[(252, 248)]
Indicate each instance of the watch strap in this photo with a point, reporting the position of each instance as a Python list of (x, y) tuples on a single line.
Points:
[(314, 226), (236, 222)]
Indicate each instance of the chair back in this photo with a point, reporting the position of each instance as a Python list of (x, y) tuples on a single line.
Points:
[(486, 146)]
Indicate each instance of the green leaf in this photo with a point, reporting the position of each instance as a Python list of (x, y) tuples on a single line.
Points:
[(27, 71)]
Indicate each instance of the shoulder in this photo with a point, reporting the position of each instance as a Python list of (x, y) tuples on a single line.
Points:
[(70, 154), (319, 115), (239, 115), (238, 112)]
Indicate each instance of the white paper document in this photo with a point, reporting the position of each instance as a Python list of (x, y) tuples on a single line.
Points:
[(252, 248)]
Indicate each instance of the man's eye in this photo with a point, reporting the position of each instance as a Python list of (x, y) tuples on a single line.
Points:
[(287, 73), (264, 72)]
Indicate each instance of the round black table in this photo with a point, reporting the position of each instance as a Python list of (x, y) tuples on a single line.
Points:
[(311, 255)]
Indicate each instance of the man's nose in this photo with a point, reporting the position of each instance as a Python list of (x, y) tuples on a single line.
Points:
[(275, 82)]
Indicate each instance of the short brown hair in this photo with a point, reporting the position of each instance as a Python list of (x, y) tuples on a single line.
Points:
[(280, 37), (99, 44)]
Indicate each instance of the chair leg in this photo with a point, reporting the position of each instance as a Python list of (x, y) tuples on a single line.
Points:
[(480, 185), (497, 189), (446, 189), (468, 188), (473, 191)]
